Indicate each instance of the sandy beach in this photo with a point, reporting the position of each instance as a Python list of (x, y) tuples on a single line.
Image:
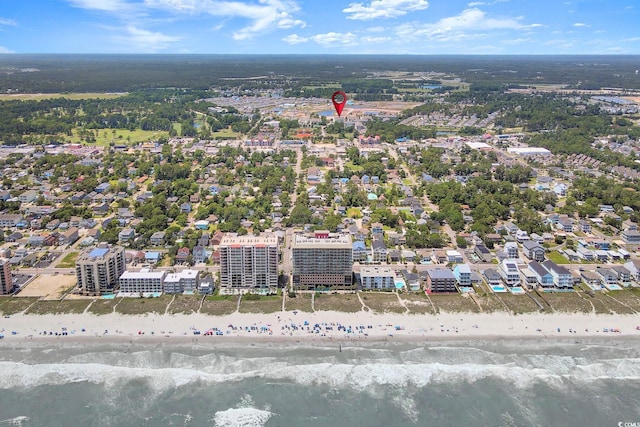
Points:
[(318, 326)]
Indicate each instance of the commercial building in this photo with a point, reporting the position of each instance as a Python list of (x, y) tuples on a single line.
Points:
[(376, 277), (249, 263), (6, 281), (322, 263), (98, 270), (143, 281)]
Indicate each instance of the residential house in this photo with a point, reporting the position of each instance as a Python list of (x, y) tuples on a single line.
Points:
[(624, 275), (454, 256), (394, 255), (585, 226), (592, 280), (360, 253), (543, 277), (10, 220), (609, 277), (462, 273), (183, 255), (199, 254), (508, 270), (378, 251), (157, 238), (483, 253), (68, 237), (566, 225), (126, 235), (630, 237), (511, 250), (585, 253), (634, 269), (492, 277), (533, 250), (377, 228), (561, 276), (28, 196)]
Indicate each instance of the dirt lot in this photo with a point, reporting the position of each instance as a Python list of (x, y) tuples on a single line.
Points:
[(48, 286)]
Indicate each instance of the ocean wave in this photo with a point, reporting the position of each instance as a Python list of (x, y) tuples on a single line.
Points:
[(552, 369)]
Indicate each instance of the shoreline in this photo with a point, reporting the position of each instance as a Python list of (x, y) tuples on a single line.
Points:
[(323, 327)]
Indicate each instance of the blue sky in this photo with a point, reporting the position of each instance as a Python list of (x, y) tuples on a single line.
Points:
[(321, 26)]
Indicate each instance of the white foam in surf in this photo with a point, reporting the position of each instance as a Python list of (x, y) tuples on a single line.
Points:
[(17, 421), (242, 417), (245, 415)]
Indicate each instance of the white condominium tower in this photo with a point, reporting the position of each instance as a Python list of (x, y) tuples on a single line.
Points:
[(249, 263)]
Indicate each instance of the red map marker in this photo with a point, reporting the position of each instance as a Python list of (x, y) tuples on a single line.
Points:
[(339, 99)]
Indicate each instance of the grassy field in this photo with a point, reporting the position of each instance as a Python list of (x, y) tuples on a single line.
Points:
[(10, 305), (185, 304), (348, 303), (380, 302), (261, 304), (219, 305), (567, 302), (58, 307), (417, 303), (453, 303), (302, 302), (556, 257), (69, 261), (121, 136), (103, 306), (490, 303), (137, 306), (519, 304), (72, 96), (225, 134)]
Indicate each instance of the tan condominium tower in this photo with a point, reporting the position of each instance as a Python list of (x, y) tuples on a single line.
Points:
[(99, 269), (249, 263), (322, 262)]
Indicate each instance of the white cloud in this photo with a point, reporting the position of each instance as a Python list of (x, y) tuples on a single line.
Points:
[(144, 40), (383, 9), (469, 23), (335, 39), (5, 50), (580, 24), (295, 39), (8, 22), (375, 40), (115, 6), (262, 15)]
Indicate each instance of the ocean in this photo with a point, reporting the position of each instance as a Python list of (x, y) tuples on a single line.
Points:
[(445, 383)]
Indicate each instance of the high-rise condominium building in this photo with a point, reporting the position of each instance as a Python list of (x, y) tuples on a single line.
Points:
[(6, 281), (322, 261), (249, 263), (98, 270)]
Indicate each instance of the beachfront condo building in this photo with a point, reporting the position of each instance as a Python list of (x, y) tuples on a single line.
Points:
[(249, 264), (99, 269), (377, 277), (144, 281), (185, 281), (6, 281), (322, 262)]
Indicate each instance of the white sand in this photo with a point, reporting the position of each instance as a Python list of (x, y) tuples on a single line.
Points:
[(278, 326)]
